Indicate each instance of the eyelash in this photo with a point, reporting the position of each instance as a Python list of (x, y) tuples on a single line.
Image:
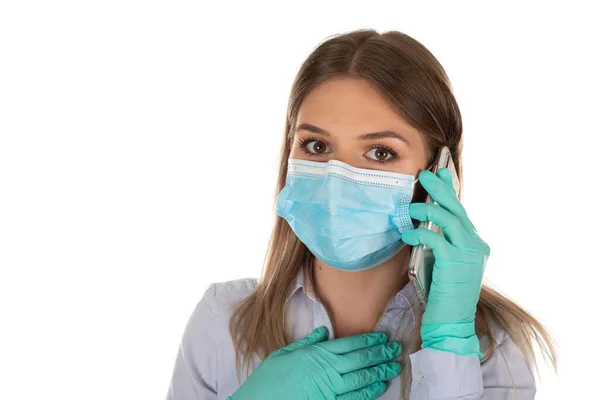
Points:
[(306, 140), (394, 155), (303, 143)]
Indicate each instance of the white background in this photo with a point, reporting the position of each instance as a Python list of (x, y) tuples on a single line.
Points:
[(138, 153)]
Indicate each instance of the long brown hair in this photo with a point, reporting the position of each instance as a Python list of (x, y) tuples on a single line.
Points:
[(414, 83)]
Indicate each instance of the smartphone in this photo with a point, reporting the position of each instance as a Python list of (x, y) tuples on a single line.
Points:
[(420, 265)]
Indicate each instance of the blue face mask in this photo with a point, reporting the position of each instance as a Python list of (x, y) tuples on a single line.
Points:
[(349, 218)]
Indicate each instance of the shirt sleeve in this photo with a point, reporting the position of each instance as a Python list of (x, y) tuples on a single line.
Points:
[(507, 375), (195, 372), (441, 375)]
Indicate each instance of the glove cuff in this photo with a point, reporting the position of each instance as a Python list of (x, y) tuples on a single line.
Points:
[(459, 338)]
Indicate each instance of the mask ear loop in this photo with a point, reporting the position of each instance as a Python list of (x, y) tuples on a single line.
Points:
[(416, 222), (426, 169)]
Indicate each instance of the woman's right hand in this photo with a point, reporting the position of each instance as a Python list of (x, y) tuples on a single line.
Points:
[(349, 368)]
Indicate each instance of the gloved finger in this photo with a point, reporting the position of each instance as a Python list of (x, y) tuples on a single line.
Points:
[(362, 378), (371, 392), (364, 358), (320, 334), (445, 196), (439, 245), (351, 343), (445, 175), (448, 223)]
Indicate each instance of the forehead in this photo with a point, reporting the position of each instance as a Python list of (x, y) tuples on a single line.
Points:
[(348, 102)]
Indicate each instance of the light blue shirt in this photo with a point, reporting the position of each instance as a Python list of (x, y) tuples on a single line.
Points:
[(205, 368)]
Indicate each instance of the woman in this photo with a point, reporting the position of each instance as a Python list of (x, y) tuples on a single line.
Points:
[(334, 315)]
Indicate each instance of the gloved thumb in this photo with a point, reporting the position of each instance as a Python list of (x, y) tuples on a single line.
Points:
[(318, 335)]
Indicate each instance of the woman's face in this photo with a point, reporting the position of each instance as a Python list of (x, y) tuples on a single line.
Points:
[(347, 120)]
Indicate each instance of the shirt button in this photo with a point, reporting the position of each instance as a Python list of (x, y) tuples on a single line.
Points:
[(420, 377)]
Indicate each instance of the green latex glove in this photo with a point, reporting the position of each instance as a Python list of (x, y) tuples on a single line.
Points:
[(460, 258), (349, 368)]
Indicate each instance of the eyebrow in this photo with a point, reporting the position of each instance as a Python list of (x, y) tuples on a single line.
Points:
[(364, 136), (311, 128)]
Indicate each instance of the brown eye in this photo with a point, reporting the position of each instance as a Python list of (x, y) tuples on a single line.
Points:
[(317, 147), (380, 154)]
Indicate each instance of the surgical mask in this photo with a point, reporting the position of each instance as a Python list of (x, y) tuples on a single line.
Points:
[(350, 218)]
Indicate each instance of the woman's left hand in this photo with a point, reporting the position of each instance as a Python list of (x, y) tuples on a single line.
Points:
[(460, 258)]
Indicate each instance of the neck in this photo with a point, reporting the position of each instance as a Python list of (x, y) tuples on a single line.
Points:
[(356, 300)]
